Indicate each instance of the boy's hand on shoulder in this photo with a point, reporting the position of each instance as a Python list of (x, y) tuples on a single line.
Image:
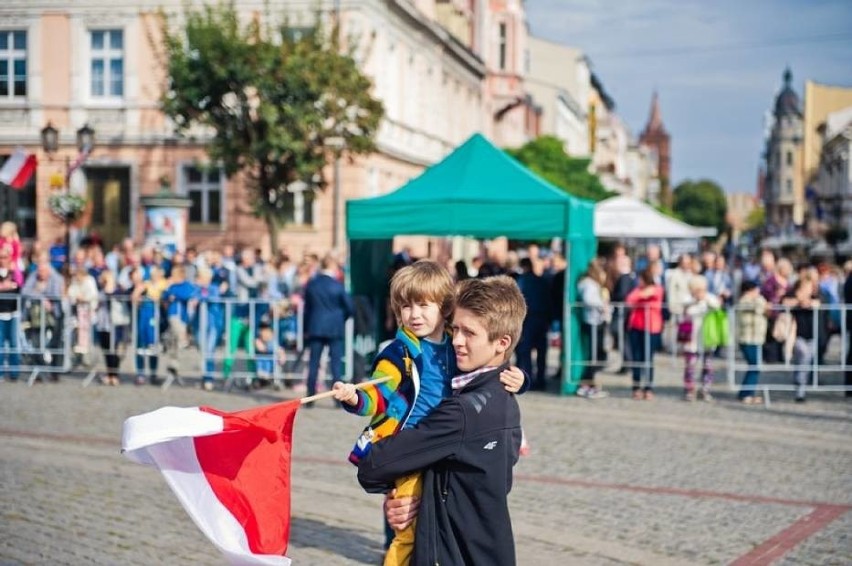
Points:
[(512, 379), (345, 393)]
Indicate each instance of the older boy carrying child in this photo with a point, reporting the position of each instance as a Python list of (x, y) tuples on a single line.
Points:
[(422, 363), (467, 446)]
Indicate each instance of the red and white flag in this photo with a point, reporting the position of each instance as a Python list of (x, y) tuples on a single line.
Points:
[(230, 471), (18, 169)]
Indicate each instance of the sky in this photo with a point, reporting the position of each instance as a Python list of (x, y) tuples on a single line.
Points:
[(717, 66)]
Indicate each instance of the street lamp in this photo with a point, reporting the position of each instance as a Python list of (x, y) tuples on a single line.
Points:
[(336, 143), (50, 145)]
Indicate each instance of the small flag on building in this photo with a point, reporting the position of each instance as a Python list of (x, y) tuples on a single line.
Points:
[(18, 169), (230, 471)]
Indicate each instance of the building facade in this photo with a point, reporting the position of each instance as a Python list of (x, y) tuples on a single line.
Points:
[(834, 174), (783, 187), (559, 80), (96, 64)]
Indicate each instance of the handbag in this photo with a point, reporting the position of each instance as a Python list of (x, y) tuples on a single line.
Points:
[(684, 330), (784, 327), (715, 329)]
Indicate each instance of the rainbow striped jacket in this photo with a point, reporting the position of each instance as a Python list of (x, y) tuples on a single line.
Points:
[(389, 403)]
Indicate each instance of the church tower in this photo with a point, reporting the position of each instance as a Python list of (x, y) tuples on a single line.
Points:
[(657, 138)]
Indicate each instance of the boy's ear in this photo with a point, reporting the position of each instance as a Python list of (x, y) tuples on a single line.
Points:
[(502, 344)]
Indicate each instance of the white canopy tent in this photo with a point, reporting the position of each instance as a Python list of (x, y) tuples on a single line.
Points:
[(630, 218)]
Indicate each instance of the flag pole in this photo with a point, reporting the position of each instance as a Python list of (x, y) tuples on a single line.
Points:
[(330, 393)]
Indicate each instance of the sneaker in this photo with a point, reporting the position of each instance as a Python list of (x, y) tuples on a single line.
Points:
[(637, 395), (140, 380), (207, 386), (706, 396), (595, 393), (649, 395), (583, 391), (800, 398), (689, 396)]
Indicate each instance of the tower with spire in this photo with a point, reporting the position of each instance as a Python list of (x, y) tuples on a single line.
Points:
[(658, 139)]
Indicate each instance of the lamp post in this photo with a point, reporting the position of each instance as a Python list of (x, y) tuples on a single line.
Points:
[(336, 143), (50, 145)]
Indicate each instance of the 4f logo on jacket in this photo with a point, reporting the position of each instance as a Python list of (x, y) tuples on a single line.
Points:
[(490, 446)]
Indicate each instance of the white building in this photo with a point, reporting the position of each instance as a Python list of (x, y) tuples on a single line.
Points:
[(834, 178), (559, 79)]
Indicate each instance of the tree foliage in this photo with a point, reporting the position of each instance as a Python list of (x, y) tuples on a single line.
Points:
[(546, 157), (756, 218), (281, 102), (701, 203)]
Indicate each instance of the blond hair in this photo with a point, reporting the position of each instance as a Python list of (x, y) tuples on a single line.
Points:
[(697, 283), (8, 230), (423, 280), (498, 303)]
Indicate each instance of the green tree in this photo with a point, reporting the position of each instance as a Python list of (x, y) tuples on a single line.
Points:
[(756, 218), (281, 102), (546, 157), (701, 203)]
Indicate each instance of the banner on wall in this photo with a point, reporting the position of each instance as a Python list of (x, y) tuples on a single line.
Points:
[(165, 228)]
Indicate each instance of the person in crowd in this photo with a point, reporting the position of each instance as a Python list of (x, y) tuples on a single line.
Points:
[(677, 287), (220, 274), (327, 307), (751, 326), (719, 280), (465, 488), (557, 303), (829, 289), (43, 291), (113, 259), (708, 264), (624, 282), (97, 264), (211, 316), (803, 306), (461, 272), (243, 315), (267, 354), (10, 289), (10, 239), (82, 296), (181, 300), (145, 299), (191, 262), (695, 354), (776, 283), (111, 318), (421, 361), (594, 299), (644, 330), (58, 252), (536, 291)]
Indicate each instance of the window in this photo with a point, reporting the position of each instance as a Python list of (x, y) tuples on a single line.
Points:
[(502, 47), (203, 186), (13, 64), (300, 206), (107, 70), (789, 158), (788, 187)]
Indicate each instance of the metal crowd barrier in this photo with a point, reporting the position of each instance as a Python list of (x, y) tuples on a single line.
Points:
[(826, 370), (34, 337)]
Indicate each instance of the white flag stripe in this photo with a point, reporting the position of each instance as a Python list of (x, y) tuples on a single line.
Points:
[(178, 462), (13, 165), (167, 424)]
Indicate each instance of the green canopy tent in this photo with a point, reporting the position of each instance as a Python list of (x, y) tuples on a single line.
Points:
[(477, 191)]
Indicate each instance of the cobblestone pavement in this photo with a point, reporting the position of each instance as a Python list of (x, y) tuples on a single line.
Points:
[(609, 481)]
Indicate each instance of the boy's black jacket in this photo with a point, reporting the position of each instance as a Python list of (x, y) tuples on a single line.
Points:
[(466, 449)]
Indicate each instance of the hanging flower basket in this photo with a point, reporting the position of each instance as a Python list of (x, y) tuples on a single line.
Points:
[(66, 206)]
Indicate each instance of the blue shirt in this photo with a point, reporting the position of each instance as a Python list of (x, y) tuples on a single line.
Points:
[(439, 367)]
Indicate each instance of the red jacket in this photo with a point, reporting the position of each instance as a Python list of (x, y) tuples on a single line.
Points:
[(652, 304)]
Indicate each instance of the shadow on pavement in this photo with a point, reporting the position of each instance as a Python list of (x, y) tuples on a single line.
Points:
[(308, 533)]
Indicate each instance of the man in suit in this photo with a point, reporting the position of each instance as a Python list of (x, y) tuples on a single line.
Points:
[(327, 307)]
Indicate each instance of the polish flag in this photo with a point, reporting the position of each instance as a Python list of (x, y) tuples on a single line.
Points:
[(18, 169), (230, 471)]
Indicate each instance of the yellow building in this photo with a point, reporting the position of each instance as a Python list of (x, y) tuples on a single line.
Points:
[(820, 101)]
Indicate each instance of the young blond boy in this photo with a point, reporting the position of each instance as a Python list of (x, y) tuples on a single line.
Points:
[(421, 363), (467, 446)]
